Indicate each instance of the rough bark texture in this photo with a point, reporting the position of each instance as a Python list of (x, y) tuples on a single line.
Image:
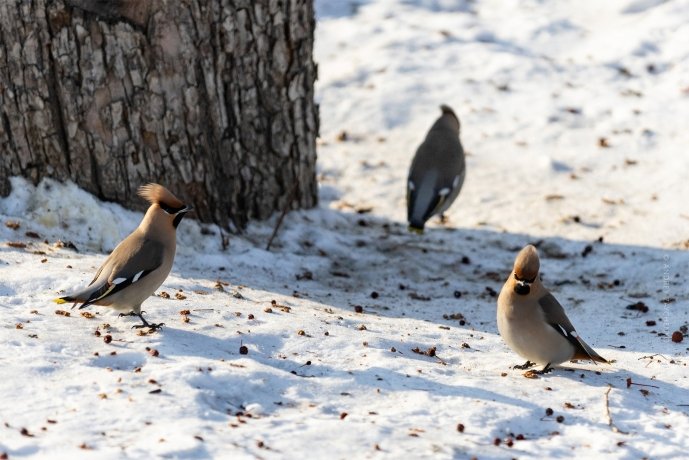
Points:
[(213, 98)]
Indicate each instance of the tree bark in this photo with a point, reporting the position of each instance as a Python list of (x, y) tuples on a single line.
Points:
[(212, 98)]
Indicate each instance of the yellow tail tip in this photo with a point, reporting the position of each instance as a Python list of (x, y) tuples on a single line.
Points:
[(418, 231), (59, 300)]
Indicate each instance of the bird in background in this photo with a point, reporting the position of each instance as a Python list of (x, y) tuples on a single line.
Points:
[(141, 262), (437, 171), (533, 323)]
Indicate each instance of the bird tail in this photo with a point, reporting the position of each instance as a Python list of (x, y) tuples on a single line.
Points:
[(61, 300), (67, 299), (86, 296), (586, 352)]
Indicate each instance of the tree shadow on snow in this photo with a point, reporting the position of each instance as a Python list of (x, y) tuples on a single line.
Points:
[(334, 261), (451, 276), (330, 9)]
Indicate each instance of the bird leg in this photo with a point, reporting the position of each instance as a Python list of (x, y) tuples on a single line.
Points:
[(152, 326), (545, 370), (526, 365), (443, 218)]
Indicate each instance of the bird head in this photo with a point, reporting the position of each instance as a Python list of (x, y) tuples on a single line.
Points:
[(526, 267), (450, 116), (164, 205)]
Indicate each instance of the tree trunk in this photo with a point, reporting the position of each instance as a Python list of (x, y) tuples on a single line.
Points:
[(212, 98)]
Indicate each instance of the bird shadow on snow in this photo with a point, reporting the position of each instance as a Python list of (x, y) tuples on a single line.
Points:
[(281, 383), (228, 390)]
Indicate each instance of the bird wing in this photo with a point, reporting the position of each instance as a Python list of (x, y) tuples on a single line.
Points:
[(436, 174), (100, 270), (145, 257), (555, 316)]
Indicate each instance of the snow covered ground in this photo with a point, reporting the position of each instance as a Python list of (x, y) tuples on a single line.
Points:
[(574, 115)]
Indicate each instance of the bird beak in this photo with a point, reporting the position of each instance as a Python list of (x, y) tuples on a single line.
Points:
[(522, 287)]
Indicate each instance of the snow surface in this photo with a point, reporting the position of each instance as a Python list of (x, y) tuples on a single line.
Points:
[(574, 116)]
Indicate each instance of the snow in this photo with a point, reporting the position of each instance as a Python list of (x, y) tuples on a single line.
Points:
[(574, 117)]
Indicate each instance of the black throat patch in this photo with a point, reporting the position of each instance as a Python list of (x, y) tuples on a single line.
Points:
[(178, 218), (522, 289)]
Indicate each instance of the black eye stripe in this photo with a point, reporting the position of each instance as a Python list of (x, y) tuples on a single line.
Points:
[(525, 280), (170, 209)]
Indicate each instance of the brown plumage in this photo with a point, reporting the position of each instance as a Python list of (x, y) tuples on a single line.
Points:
[(527, 264), (533, 323), (155, 193), (141, 262)]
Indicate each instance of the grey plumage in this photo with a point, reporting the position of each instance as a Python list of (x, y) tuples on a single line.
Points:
[(533, 323), (437, 171), (141, 262)]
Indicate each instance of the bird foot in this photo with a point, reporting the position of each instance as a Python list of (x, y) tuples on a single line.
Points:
[(151, 326), (544, 371), (526, 365), (131, 313)]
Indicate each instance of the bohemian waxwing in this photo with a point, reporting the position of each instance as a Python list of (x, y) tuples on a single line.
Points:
[(437, 171), (532, 321), (141, 262)]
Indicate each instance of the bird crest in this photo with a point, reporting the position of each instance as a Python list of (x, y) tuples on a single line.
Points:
[(157, 194), (526, 265)]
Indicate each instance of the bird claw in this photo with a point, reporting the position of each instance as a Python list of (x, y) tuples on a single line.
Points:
[(533, 374), (526, 365), (543, 371), (151, 326), (131, 313)]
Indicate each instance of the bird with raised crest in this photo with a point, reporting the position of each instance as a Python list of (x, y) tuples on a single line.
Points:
[(141, 262), (533, 323)]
